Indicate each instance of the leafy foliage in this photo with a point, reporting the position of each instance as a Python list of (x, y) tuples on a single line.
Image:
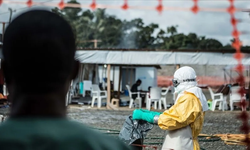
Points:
[(117, 33)]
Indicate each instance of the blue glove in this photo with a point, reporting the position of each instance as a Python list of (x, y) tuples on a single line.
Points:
[(141, 114)]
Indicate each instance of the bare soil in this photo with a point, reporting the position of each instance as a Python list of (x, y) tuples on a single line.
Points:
[(217, 122), (110, 121)]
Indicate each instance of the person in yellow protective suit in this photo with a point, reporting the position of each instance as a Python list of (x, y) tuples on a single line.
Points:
[(184, 120)]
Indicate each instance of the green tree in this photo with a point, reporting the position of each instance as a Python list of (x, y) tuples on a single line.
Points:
[(210, 44), (116, 33), (172, 30), (98, 25)]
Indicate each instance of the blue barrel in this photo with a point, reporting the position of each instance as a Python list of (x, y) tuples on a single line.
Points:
[(81, 87), (126, 93)]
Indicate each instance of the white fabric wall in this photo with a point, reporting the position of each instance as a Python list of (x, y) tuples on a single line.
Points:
[(103, 73), (148, 75)]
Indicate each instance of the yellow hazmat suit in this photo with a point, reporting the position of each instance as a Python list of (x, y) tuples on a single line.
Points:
[(187, 111)]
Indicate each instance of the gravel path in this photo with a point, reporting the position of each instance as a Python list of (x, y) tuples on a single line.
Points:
[(215, 123)]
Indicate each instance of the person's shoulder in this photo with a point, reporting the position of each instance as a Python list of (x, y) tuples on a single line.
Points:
[(111, 143), (187, 96), (97, 139), (6, 124), (66, 132)]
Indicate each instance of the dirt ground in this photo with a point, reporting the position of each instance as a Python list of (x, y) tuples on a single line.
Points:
[(111, 121), (215, 123)]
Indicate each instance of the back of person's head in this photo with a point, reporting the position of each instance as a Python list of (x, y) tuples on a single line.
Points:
[(138, 81), (38, 51), (149, 88)]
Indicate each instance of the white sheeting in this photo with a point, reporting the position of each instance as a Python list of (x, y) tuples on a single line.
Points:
[(157, 58), (232, 67)]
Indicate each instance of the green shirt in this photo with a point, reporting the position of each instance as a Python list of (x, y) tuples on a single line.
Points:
[(53, 134)]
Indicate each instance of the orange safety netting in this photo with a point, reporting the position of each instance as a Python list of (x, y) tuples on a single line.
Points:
[(94, 5), (195, 9)]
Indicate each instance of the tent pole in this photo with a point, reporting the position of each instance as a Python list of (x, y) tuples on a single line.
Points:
[(3, 30), (83, 72), (109, 105), (113, 74), (94, 74), (127, 76), (103, 84), (248, 85), (230, 72), (119, 86), (113, 79), (131, 71), (225, 78), (108, 86), (113, 90)]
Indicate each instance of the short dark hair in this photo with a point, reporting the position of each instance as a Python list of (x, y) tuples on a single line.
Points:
[(38, 50), (149, 88), (138, 81)]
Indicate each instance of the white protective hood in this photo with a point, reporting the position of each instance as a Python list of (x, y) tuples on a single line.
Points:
[(185, 73)]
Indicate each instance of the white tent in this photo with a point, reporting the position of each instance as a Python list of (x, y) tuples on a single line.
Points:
[(139, 57), (232, 67), (157, 57), (229, 70)]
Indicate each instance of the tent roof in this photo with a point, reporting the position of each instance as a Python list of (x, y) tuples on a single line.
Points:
[(149, 57), (138, 57), (165, 50)]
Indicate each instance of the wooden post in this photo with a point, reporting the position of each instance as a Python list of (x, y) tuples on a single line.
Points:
[(3, 30), (127, 76), (225, 77), (248, 88), (113, 79), (119, 85), (94, 74), (178, 66), (230, 76), (95, 43), (113, 90), (108, 86), (109, 105)]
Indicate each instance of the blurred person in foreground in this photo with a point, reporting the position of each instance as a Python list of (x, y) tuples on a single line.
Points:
[(1, 81), (38, 49), (184, 120)]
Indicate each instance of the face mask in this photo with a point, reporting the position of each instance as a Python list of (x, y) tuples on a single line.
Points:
[(180, 85), (179, 89)]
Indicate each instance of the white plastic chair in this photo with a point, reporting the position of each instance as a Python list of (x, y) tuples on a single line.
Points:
[(173, 93), (87, 86), (97, 95), (164, 97), (155, 96), (5, 91), (234, 96), (131, 103), (215, 100), (69, 94)]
